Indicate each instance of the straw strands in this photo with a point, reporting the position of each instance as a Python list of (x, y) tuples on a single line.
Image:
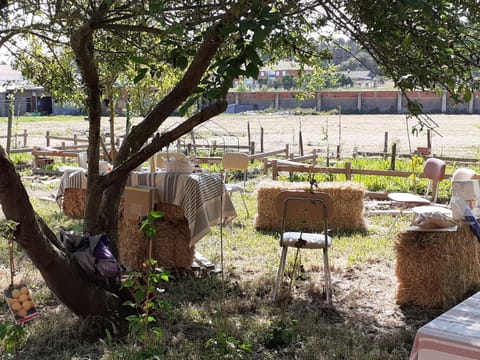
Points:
[(347, 203), (436, 269), (171, 244), (74, 202)]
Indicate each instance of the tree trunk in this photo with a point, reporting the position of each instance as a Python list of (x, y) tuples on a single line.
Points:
[(62, 274)]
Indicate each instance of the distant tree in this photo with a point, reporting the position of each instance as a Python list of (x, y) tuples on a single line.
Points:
[(361, 60), (262, 81), (345, 81), (276, 84), (288, 82)]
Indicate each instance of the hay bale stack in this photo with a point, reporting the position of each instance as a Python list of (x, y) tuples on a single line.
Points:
[(74, 203), (347, 203), (436, 269), (170, 246)]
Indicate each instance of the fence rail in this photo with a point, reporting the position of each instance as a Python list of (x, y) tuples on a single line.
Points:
[(348, 171)]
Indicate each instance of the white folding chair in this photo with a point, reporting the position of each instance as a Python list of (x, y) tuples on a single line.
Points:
[(157, 160), (83, 159), (307, 214), (236, 161)]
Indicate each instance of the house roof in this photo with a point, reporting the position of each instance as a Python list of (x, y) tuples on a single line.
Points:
[(357, 75)]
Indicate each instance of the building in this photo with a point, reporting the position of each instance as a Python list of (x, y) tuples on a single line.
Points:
[(28, 98)]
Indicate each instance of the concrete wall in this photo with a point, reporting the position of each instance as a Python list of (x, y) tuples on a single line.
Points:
[(360, 102)]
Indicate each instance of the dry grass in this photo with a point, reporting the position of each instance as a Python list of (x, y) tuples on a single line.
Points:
[(365, 321)]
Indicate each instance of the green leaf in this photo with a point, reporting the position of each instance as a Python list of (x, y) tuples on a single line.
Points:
[(252, 71), (252, 55), (467, 96), (157, 214), (139, 60), (157, 332), (131, 318), (140, 75), (260, 35), (155, 6), (181, 62)]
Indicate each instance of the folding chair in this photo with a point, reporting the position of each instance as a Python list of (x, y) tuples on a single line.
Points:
[(236, 161), (307, 214), (157, 160), (434, 170)]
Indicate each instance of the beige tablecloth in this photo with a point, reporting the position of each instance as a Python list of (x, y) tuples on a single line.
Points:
[(202, 196), (454, 335)]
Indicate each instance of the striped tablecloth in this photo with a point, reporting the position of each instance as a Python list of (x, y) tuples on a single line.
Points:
[(200, 195), (454, 335)]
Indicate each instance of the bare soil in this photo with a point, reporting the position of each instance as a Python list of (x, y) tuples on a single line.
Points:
[(454, 135)]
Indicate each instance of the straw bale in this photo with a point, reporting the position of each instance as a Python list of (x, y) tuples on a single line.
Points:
[(436, 269), (347, 203), (170, 246), (74, 203)]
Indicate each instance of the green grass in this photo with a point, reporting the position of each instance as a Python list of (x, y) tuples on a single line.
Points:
[(214, 316), (56, 118)]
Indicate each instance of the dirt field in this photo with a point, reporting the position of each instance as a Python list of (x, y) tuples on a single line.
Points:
[(456, 135)]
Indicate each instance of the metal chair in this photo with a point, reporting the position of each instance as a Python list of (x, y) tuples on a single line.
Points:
[(434, 170), (83, 159), (236, 161), (463, 174), (304, 225), (157, 160)]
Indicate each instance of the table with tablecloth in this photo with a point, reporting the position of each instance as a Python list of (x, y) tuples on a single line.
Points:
[(454, 335), (200, 195)]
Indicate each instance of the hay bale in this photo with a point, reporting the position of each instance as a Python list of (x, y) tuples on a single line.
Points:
[(436, 269), (74, 202), (347, 203), (171, 244)]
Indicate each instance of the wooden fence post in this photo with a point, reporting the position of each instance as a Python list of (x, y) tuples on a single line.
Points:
[(394, 155), (348, 171), (286, 151), (252, 147), (261, 140), (265, 166), (25, 137), (274, 170), (47, 136), (63, 149), (300, 142), (385, 145)]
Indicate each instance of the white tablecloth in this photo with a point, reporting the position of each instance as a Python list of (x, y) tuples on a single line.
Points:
[(202, 196), (454, 335)]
